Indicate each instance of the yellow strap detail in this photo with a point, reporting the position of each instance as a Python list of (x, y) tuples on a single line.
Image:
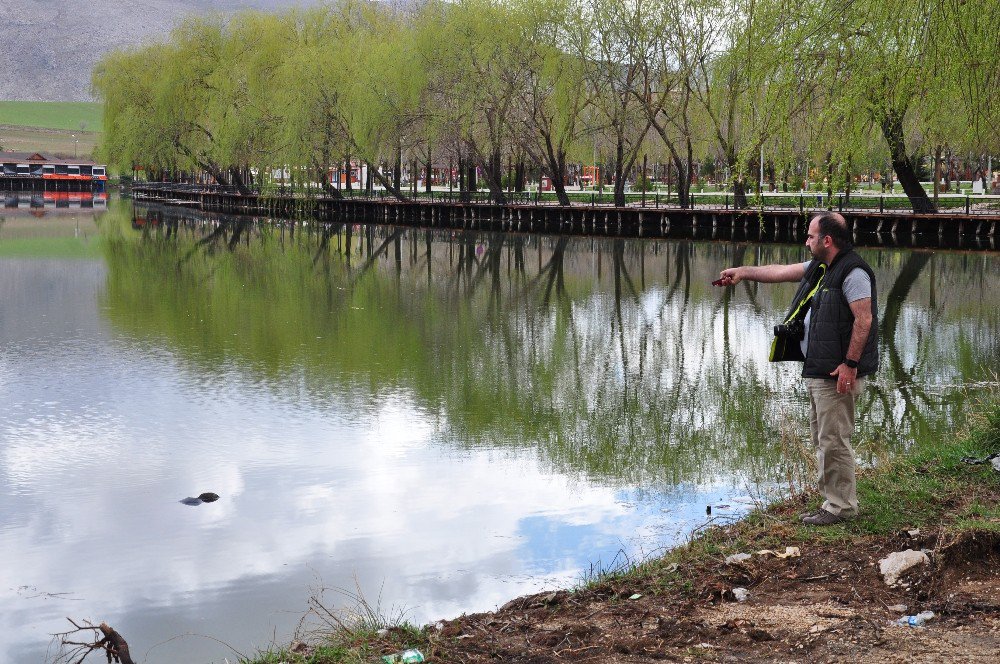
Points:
[(808, 297)]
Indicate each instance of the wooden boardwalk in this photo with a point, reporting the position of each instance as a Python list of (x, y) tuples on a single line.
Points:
[(781, 225)]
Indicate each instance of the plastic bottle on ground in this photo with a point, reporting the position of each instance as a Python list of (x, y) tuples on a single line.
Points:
[(916, 621)]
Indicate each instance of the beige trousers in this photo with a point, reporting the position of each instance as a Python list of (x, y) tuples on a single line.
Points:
[(831, 423)]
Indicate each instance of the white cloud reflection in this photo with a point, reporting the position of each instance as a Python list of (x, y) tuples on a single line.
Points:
[(90, 506)]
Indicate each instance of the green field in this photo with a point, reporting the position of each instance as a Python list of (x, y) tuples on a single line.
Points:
[(54, 128), (66, 115)]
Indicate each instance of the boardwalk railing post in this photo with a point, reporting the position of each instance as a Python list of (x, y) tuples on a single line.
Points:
[(802, 203), (967, 208), (727, 201), (840, 202)]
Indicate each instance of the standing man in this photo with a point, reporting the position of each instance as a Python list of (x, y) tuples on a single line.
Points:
[(832, 328)]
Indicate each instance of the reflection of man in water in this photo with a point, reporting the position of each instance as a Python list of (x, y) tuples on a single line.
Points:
[(831, 327)]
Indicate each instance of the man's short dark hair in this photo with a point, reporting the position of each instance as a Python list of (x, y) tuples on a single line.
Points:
[(834, 225)]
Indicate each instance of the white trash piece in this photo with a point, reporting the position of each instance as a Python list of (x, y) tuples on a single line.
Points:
[(896, 564)]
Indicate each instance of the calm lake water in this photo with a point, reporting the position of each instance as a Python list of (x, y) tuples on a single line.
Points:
[(438, 421)]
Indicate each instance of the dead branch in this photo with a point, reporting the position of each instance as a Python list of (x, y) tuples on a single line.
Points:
[(103, 638)]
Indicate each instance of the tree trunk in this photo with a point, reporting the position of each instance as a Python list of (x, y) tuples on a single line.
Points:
[(555, 158), (492, 172), (740, 193), (471, 186), (847, 181), (892, 130), (325, 183), (397, 169), (428, 173), (619, 196), (463, 192), (385, 182), (829, 180), (937, 172), (684, 177), (619, 199)]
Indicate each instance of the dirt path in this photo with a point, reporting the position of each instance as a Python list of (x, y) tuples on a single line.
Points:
[(829, 604)]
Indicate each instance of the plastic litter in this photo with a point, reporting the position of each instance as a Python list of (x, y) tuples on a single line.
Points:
[(635, 596), (737, 558), (741, 594), (411, 656), (915, 621), (992, 459), (790, 552)]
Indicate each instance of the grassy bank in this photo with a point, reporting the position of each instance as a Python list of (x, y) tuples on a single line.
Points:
[(682, 605)]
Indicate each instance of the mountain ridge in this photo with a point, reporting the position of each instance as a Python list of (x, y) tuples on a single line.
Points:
[(49, 47)]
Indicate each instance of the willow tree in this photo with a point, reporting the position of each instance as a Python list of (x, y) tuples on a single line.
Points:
[(133, 137), (675, 39), (181, 103), (603, 38), (311, 81), (762, 69), (553, 96), (472, 51), (971, 45), (242, 108), (383, 97), (891, 69)]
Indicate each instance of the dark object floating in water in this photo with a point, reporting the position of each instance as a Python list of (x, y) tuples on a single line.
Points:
[(207, 497)]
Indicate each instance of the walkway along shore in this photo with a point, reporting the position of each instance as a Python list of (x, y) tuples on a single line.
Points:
[(968, 230)]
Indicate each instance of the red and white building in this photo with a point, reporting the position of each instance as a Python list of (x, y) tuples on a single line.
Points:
[(33, 171)]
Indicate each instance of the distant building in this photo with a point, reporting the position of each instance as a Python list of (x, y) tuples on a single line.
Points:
[(33, 171)]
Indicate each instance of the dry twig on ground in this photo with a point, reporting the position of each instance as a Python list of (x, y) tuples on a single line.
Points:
[(104, 638)]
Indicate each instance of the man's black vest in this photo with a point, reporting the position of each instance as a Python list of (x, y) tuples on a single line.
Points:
[(831, 322)]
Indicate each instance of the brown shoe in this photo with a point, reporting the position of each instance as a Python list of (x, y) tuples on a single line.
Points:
[(823, 518)]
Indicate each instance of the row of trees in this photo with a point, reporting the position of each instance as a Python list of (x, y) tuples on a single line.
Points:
[(498, 86)]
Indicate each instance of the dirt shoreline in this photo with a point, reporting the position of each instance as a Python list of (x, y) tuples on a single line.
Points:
[(829, 604)]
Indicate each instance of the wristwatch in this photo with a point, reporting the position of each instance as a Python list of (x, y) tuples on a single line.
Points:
[(851, 364)]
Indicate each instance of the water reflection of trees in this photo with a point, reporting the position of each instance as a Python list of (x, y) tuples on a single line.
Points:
[(612, 358)]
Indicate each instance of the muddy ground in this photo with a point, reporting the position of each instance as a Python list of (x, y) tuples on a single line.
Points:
[(829, 604)]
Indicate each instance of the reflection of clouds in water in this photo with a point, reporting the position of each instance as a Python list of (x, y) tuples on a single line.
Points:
[(299, 492), (38, 446)]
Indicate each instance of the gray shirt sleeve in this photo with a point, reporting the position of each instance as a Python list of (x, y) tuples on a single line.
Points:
[(857, 285)]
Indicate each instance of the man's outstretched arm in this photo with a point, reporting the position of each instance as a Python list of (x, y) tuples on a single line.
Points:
[(769, 274)]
